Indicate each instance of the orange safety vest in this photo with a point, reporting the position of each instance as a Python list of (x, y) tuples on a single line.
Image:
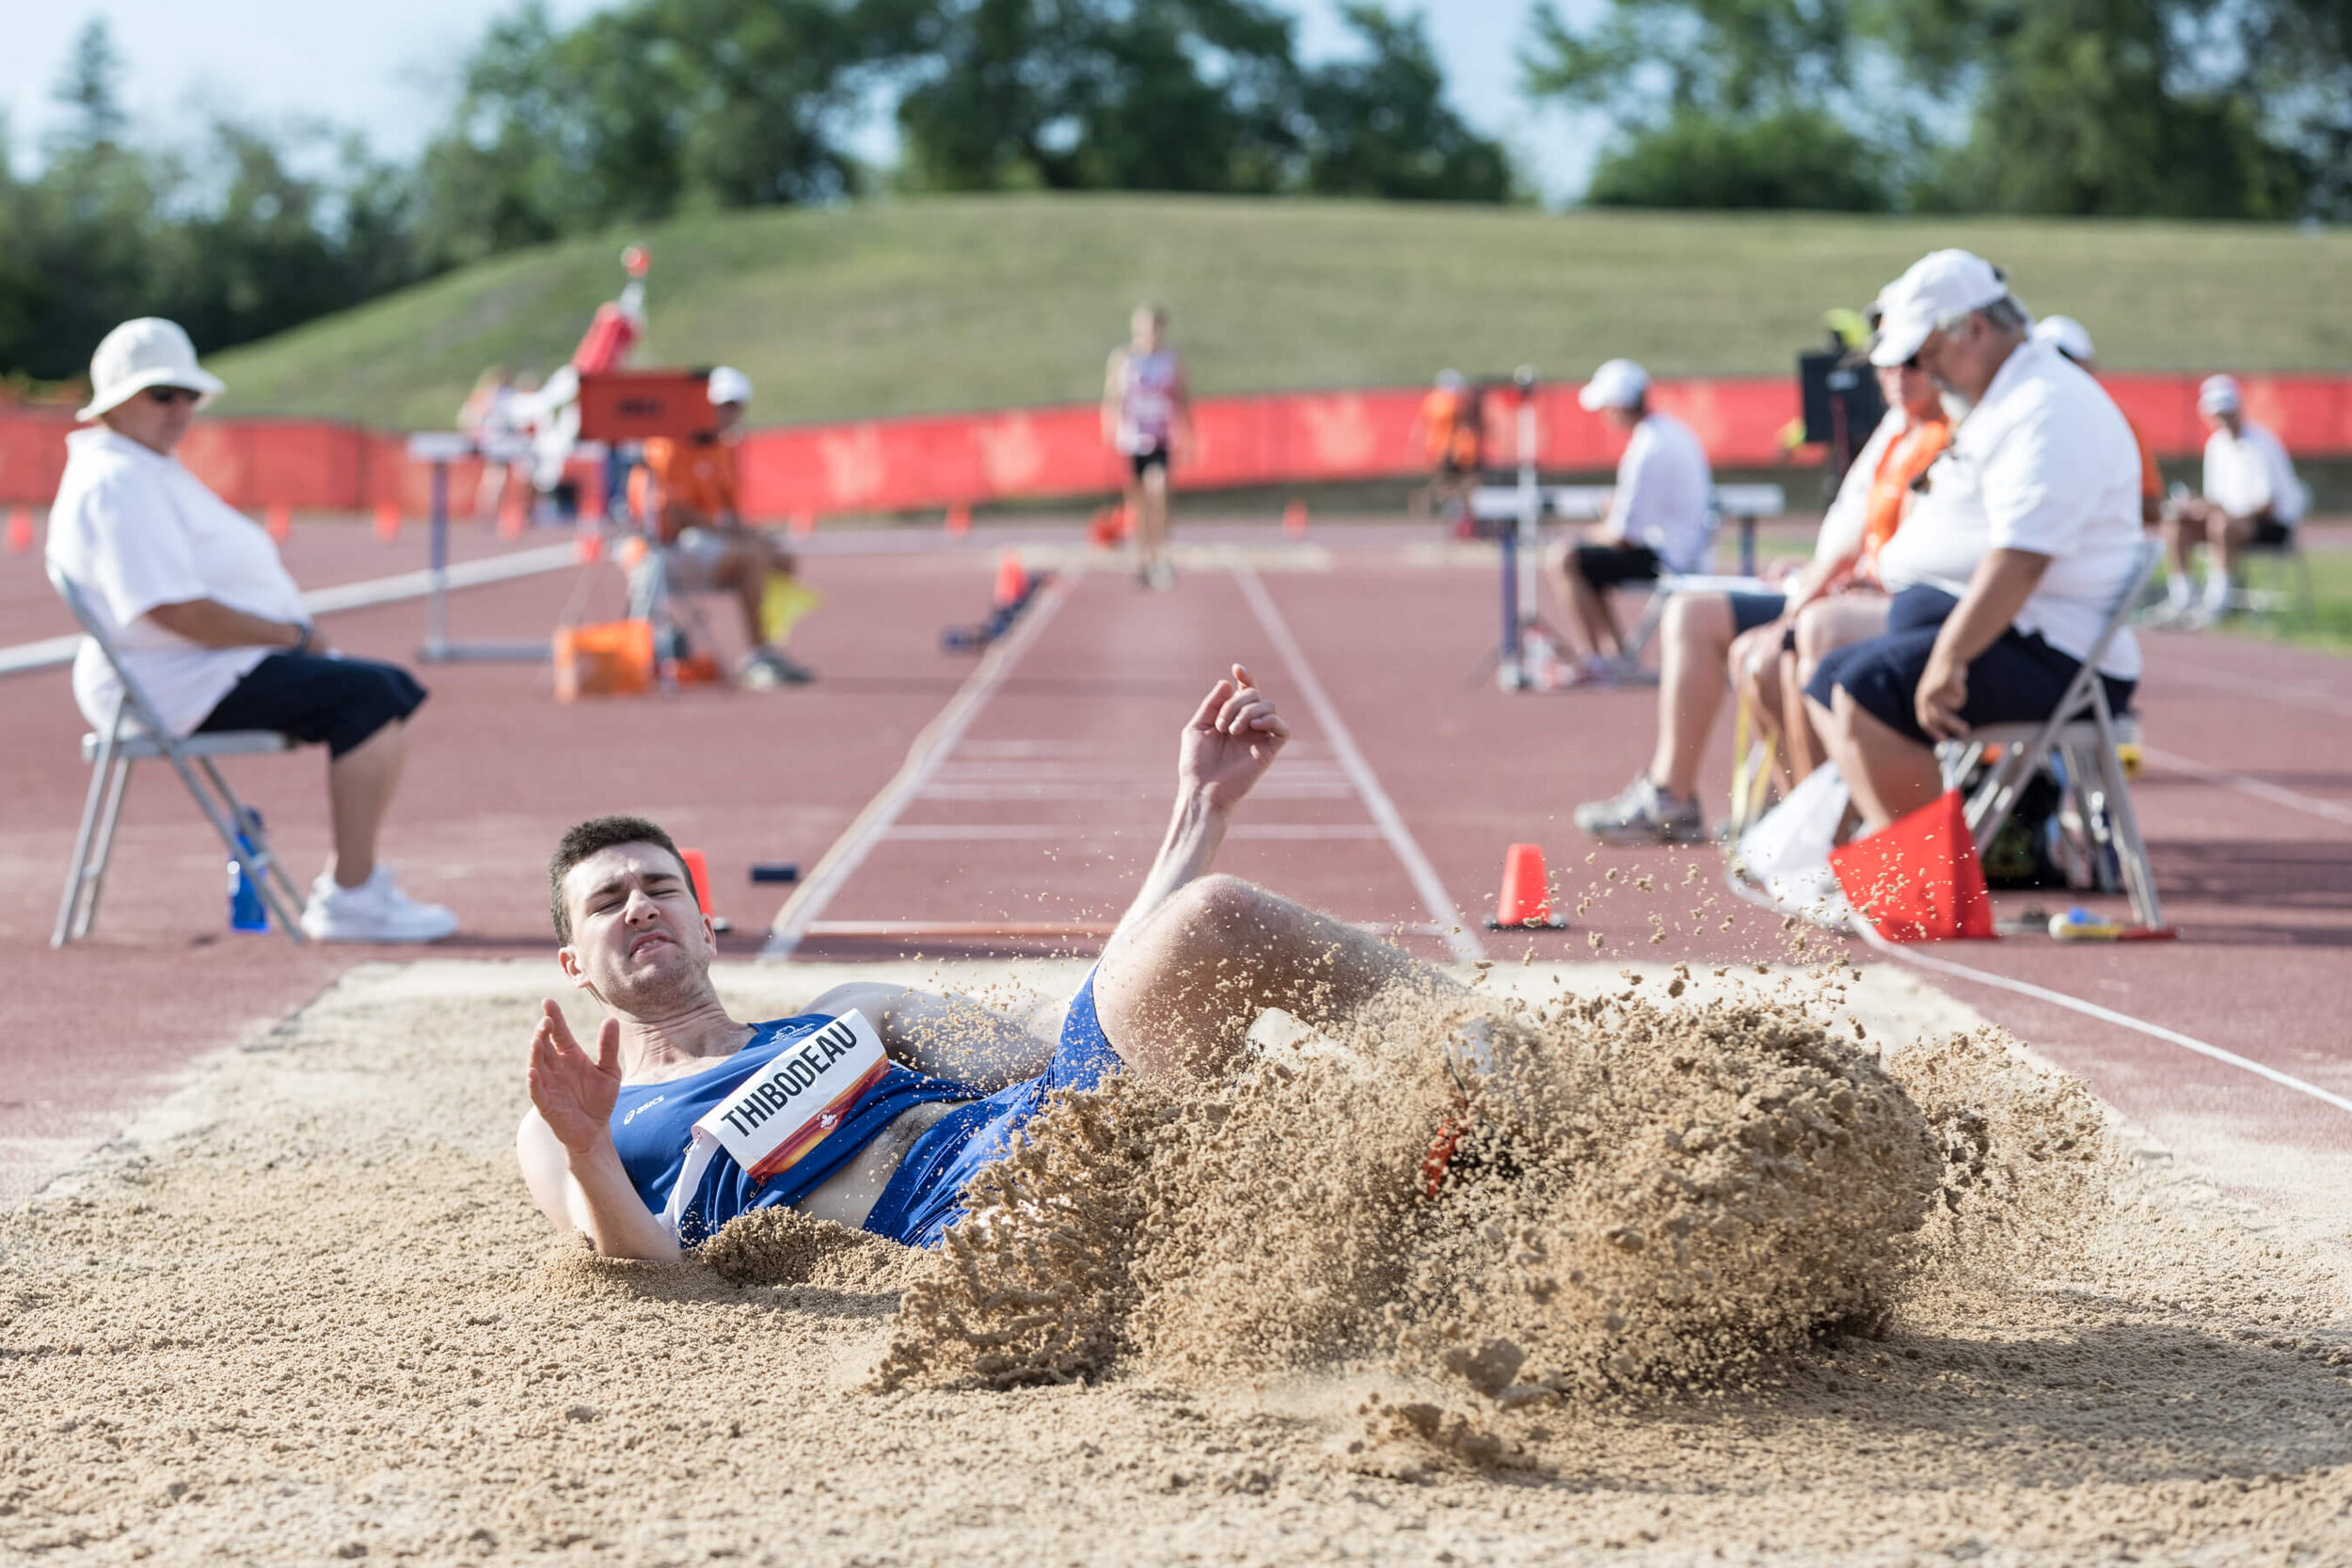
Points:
[(1905, 459), (695, 475), (1452, 421)]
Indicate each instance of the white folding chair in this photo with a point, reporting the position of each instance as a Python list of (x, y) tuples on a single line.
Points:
[(135, 734), (2289, 552), (1745, 502), (2085, 736)]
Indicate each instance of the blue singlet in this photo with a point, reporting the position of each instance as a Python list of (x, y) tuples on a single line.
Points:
[(653, 1125)]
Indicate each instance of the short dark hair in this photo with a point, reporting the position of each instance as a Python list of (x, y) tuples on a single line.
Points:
[(603, 833)]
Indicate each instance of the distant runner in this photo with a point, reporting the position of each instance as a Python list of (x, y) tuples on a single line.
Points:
[(875, 1107), (1146, 415)]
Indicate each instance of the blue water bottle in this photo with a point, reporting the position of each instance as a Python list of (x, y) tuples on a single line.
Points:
[(247, 912)]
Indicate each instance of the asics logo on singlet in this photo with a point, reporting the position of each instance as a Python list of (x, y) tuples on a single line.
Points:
[(641, 1110)]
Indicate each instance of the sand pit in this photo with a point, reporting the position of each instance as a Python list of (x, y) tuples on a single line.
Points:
[(309, 1314)]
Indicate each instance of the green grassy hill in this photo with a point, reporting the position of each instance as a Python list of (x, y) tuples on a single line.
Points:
[(908, 306)]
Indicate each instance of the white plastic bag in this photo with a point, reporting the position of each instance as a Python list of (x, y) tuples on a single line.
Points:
[(1786, 852)]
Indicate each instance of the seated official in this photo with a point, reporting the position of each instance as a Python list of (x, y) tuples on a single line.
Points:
[(2252, 497), (877, 1106), (193, 598), (2044, 471), (1835, 599), (689, 499), (1657, 518)]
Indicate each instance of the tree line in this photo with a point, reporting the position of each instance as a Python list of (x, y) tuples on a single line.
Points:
[(2187, 108)]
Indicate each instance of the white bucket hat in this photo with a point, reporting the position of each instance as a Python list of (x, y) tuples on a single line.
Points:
[(148, 352), (1618, 383), (2068, 336), (2218, 394), (729, 384)]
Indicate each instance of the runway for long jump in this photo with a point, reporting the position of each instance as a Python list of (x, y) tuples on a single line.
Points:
[(955, 807)]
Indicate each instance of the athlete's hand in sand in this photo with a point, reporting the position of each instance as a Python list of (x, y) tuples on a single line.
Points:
[(1230, 741), (573, 1090)]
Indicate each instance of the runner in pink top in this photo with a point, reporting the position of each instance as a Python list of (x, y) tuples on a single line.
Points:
[(1146, 415)]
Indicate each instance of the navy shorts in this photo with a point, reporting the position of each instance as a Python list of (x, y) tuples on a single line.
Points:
[(1608, 565), (318, 699), (1751, 610), (2018, 680), (1142, 463), (925, 1194)]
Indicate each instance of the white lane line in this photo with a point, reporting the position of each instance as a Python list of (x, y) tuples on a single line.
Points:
[(944, 789), (53, 651), (2105, 1015), (983, 832), (2292, 799), (1459, 940), (929, 749), (2289, 696)]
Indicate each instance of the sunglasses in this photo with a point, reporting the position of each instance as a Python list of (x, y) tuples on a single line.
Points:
[(169, 395)]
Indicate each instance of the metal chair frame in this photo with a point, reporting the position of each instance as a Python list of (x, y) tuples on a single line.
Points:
[(2084, 734), (135, 733)]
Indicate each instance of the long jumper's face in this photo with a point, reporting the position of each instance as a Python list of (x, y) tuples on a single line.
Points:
[(636, 929)]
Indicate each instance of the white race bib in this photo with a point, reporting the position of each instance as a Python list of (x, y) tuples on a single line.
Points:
[(785, 1108)]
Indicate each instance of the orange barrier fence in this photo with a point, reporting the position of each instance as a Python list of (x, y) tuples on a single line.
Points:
[(961, 459)]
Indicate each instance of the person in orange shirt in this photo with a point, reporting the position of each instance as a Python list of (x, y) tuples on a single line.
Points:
[(686, 494), (1451, 437), (2072, 339), (1834, 600)]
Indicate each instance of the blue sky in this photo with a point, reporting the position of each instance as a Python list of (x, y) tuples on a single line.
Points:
[(385, 68)]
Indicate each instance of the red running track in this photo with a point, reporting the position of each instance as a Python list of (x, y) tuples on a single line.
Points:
[(1406, 779)]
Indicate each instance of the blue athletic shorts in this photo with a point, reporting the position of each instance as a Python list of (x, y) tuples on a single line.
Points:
[(1751, 610), (2018, 680), (926, 1193)]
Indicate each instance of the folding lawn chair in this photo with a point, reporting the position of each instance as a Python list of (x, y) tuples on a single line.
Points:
[(1745, 502), (2084, 736), (135, 734), (2289, 552)]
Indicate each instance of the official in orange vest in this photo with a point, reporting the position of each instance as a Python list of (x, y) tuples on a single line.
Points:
[(687, 492)]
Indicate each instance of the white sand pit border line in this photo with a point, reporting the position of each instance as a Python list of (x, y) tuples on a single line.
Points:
[(1460, 941), (930, 748), (2105, 1015)]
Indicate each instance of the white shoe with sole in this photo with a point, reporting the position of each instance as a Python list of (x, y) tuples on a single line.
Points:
[(375, 911)]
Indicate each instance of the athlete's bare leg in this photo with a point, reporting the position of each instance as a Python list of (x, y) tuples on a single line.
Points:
[(1150, 505), (1177, 992)]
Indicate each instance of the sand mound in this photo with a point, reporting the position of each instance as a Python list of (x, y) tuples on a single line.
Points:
[(1658, 1194), (322, 1322)]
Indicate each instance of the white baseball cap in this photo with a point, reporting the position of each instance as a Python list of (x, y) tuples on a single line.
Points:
[(1618, 383), (148, 352), (1450, 380), (2218, 394), (729, 384), (1939, 285), (2068, 336)]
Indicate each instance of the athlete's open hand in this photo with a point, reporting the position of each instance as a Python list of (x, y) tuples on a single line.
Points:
[(573, 1090), (1230, 741)]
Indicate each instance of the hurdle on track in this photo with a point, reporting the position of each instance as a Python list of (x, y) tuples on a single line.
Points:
[(440, 448)]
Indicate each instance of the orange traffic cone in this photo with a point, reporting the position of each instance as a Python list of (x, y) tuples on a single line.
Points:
[(588, 546), (1525, 901), (698, 869), (802, 524), (958, 519), (386, 522), (1011, 581), (20, 529), (1295, 519), (278, 519), (1918, 879)]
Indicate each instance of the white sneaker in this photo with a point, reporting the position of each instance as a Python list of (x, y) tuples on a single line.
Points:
[(375, 911)]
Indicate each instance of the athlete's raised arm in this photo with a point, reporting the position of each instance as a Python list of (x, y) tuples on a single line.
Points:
[(1225, 748), (572, 1094)]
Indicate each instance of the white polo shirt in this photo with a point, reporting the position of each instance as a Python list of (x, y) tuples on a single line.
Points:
[(2250, 472), (133, 529), (2044, 462), (1663, 489)]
